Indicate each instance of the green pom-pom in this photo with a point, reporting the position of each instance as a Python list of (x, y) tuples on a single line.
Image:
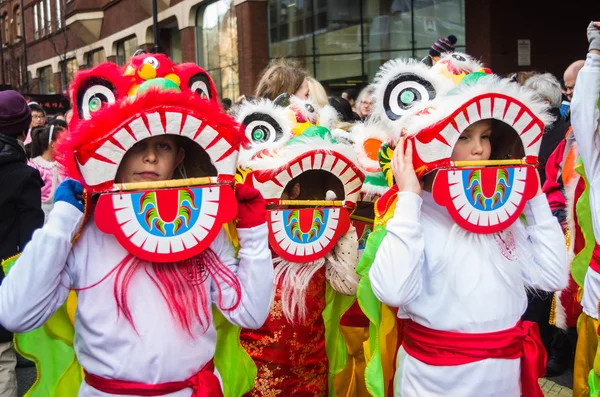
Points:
[(161, 84)]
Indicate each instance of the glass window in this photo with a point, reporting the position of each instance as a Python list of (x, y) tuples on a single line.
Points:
[(48, 16), (6, 39), (46, 80), (95, 57), (216, 49), (59, 4), (438, 18), (347, 41), (36, 29), (125, 49), (42, 20), (18, 22), (70, 67)]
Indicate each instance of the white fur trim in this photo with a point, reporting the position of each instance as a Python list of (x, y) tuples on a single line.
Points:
[(328, 116), (560, 314), (294, 279), (390, 71), (361, 133), (278, 114)]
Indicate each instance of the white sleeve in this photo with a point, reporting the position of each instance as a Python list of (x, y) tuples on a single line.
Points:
[(39, 282), (585, 119), (254, 271), (550, 268), (591, 293), (395, 275)]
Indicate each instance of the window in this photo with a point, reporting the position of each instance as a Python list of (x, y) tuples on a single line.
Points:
[(36, 28), (48, 16), (343, 43), (6, 30), (59, 5), (46, 80), (216, 46), (17, 16), (125, 49), (42, 19), (95, 57), (69, 68)]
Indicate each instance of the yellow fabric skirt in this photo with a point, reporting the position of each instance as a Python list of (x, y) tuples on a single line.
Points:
[(587, 358)]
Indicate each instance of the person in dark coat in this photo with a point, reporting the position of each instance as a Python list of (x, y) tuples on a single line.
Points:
[(20, 208)]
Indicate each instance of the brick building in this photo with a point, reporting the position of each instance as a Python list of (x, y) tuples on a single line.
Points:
[(341, 42)]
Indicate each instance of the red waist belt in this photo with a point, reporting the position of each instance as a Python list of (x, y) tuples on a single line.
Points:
[(203, 384), (447, 348)]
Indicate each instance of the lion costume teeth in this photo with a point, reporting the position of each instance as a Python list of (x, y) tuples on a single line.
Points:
[(117, 107)]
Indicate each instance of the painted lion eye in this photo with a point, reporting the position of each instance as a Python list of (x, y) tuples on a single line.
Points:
[(404, 92), (200, 84), (152, 62), (262, 128), (94, 99)]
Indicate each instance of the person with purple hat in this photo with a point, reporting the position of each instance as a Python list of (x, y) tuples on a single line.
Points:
[(20, 208)]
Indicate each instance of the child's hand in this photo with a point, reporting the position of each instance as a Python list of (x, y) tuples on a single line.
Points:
[(252, 208), (70, 191), (403, 170), (593, 34)]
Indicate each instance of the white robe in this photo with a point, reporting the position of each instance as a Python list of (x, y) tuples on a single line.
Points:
[(105, 343), (585, 120), (445, 278)]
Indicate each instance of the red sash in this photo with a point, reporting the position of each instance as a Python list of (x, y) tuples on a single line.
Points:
[(204, 384), (447, 348)]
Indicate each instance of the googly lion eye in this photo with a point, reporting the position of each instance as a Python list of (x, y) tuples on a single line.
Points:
[(95, 98), (200, 84), (459, 57), (404, 92), (310, 108), (261, 128), (152, 62)]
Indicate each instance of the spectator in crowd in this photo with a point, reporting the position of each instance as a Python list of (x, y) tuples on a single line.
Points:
[(38, 115), (548, 89), (283, 76), (226, 103), (521, 77), (43, 155), (570, 77), (366, 100), (20, 208), (441, 46), (317, 92), (350, 95)]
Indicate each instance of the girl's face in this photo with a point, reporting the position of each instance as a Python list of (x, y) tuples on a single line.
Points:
[(54, 142), (153, 159), (474, 143), (303, 91)]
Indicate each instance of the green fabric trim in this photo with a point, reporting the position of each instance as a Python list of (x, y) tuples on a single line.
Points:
[(371, 307), (236, 368), (582, 260), (318, 132), (335, 344), (594, 384), (50, 347)]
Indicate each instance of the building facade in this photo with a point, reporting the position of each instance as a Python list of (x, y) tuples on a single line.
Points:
[(341, 42)]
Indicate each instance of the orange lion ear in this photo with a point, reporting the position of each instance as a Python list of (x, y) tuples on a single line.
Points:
[(371, 147)]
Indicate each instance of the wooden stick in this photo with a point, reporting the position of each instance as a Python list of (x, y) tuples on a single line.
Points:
[(318, 203), (165, 184), (361, 219), (480, 163)]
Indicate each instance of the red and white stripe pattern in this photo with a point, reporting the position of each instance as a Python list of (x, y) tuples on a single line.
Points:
[(102, 166)]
